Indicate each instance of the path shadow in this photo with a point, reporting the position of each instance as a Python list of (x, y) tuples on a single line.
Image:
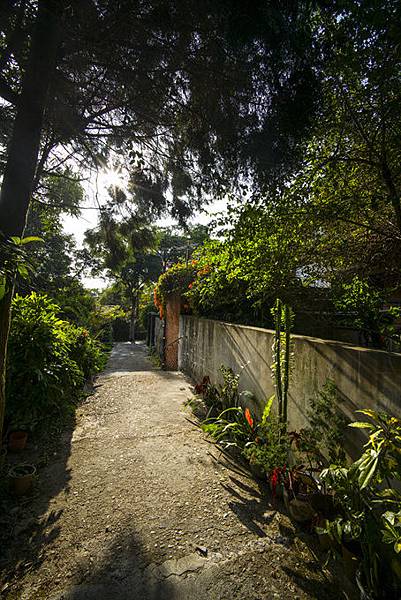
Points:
[(249, 504), (26, 526), (123, 572), (255, 508)]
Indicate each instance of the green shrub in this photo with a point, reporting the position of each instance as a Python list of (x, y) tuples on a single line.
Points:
[(270, 449), (48, 362), (87, 352), (231, 428)]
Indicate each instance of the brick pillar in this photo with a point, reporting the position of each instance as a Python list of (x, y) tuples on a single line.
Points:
[(172, 332)]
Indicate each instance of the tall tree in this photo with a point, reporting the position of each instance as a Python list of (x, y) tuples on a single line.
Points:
[(23, 150), (192, 91), (125, 252)]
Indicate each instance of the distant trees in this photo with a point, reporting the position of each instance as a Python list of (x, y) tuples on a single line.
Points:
[(177, 245)]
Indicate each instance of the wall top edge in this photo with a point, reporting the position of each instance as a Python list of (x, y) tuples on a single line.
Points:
[(295, 336)]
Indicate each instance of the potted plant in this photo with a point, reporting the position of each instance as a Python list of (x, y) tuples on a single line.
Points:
[(17, 440), (20, 425), (368, 524), (277, 481), (268, 452), (21, 478), (300, 487)]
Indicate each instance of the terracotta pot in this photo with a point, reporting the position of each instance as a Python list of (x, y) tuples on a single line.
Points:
[(301, 509), (21, 479), (17, 440)]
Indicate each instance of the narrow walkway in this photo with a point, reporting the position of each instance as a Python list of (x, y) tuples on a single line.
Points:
[(146, 510)]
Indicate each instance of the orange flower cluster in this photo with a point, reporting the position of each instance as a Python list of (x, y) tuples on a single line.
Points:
[(158, 303), (205, 270)]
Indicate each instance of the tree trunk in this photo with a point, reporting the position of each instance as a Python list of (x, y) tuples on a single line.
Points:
[(22, 155), (392, 193), (134, 312)]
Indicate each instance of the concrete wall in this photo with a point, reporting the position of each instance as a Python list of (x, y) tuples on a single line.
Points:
[(159, 337), (364, 377)]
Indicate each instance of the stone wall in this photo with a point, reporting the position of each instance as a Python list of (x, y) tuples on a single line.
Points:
[(364, 377)]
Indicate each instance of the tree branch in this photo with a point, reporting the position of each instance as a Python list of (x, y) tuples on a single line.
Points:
[(6, 92)]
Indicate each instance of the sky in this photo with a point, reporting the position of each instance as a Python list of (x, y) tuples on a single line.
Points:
[(95, 193)]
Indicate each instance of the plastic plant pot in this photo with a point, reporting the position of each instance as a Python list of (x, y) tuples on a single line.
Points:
[(21, 479)]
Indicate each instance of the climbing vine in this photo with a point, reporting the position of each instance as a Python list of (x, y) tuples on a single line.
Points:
[(176, 280)]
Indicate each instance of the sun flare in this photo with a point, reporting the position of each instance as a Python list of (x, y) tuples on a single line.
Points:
[(112, 178)]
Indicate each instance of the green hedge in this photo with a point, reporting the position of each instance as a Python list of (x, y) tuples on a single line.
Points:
[(48, 360)]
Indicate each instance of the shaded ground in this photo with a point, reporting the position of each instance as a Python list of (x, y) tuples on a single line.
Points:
[(137, 505)]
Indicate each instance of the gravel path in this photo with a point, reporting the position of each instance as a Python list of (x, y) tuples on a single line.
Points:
[(138, 505)]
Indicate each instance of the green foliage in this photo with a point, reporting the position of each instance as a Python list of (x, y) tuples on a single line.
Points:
[(230, 428), (223, 395), (14, 261), (323, 440), (369, 502), (336, 221), (228, 390), (48, 362), (263, 444), (177, 245), (270, 448), (176, 280), (362, 305), (256, 261), (146, 305)]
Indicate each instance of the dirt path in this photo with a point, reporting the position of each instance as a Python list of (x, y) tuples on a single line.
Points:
[(136, 489)]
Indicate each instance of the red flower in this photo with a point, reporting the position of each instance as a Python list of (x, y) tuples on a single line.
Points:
[(274, 481), (248, 417)]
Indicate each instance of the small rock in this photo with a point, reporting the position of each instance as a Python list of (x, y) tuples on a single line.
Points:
[(202, 550)]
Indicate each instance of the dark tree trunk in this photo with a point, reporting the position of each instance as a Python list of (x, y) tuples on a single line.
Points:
[(22, 155)]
